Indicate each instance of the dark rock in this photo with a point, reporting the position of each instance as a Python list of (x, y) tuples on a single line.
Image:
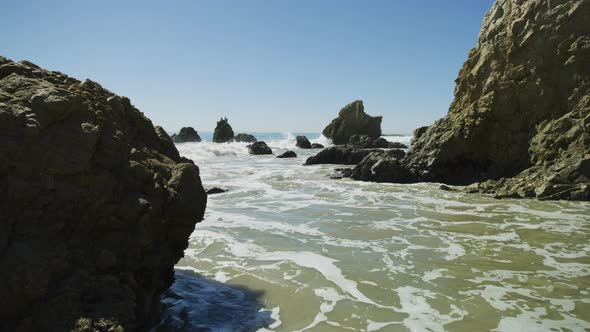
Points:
[(216, 190), (96, 205), (352, 120), (247, 138), (367, 142), (338, 155), (383, 166), (186, 134), (288, 154), (317, 146), (303, 142), (446, 188), (344, 172), (259, 147), (223, 132), (418, 132)]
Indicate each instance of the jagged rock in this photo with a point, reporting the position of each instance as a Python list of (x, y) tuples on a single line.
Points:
[(317, 146), (338, 155), (186, 134), (223, 132), (216, 190), (521, 107), (418, 132), (367, 142), (352, 120), (383, 166), (247, 138), (302, 142), (259, 147), (97, 205), (288, 154)]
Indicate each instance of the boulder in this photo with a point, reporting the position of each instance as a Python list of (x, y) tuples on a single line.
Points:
[(340, 173), (339, 155), (383, 166), (186, 134), (247, 138), (317, 146), (352, 120), (259, 147), (97, 205), (288, 154), (303, 142), (216, 190), (223, 132)]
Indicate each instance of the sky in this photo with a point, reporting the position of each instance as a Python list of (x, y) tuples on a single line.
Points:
[(269, 66)]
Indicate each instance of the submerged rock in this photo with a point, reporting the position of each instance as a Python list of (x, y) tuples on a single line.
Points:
[(186, 134), (352, 120), (303, 142), (288, 154), (340, 173), (216, 190), (317, 146), (223, 132), (97, 205), (259, 147), (521, 114), (247, 138)]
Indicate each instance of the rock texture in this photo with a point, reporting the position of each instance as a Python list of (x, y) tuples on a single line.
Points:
[(223, 132), (352, 120), (247, 138), (367, 142), (341, 155), (520, 119), (97, 205), (302, 142), (288, 154), (186, 134), (259, 147), (317, 146)]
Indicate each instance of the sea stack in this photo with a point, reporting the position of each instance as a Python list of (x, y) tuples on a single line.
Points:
[(223, 132), (186, 134), (246, 138), (97, 205), (520, 119), (352, 120)]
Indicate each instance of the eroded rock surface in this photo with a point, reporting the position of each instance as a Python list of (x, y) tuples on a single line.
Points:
[(352, 120), (520, 116), (97, 205)]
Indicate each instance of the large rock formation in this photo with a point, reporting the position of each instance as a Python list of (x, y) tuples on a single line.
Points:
[(352, 120), (342, 155), (521, 108), (186, 134), (96, 205), (223, 132)]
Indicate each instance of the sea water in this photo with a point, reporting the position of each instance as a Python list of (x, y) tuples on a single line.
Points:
[(289, 249)]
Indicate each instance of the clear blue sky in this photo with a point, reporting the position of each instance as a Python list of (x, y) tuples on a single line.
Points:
[(266, 65)]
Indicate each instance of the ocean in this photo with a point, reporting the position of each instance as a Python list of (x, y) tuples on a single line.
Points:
[(289, 249)]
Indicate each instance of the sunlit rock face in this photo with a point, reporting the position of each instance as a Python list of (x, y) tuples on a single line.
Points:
[(96, 205), (522, 104)]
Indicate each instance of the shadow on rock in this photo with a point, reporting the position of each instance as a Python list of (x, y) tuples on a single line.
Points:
[(195, 303)]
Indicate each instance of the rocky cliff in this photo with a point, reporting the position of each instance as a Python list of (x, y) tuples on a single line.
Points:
[(96, 205), (521, 109)]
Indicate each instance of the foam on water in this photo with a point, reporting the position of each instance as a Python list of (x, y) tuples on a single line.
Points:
[(346, 255)]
